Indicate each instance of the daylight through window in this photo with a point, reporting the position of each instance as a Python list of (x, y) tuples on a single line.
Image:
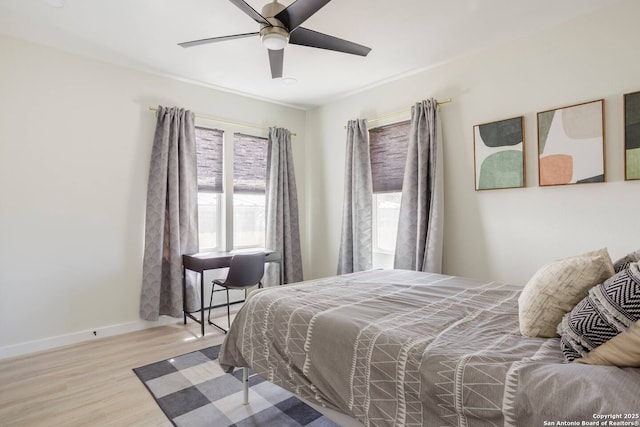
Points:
[(388, 146), (209, 155), (249, 182)]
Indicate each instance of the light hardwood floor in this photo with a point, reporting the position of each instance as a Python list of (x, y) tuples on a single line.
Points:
[(92, 384)]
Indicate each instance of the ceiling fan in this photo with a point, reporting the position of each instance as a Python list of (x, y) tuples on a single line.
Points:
[(280, 25)]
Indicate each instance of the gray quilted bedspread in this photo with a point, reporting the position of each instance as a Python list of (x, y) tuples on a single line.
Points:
[(401, 348)]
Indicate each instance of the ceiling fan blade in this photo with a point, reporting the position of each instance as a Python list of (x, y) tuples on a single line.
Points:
[(305, 37), (216, 39), (243, 6), (276, 59), (299, 11)]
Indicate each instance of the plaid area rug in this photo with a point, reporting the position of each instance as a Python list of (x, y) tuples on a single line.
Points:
[(193, 391)]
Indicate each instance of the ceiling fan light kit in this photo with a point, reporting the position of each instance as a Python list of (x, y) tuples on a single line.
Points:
[(274, 41), (280, 25), (275, 35)]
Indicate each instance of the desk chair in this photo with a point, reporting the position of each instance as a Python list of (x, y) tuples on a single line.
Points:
[(245, 271)]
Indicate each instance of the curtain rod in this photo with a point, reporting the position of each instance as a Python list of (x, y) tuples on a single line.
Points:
[(228, 122), (399, 113)]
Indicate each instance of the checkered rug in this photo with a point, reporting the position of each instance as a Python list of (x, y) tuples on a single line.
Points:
[(193, 391)]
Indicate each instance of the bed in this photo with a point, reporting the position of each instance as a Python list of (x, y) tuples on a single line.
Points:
[(405, 348)]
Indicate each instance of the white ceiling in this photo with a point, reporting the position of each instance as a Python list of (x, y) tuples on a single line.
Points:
[(405, 36)]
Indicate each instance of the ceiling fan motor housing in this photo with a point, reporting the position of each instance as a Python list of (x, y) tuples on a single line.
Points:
[(276, 36)]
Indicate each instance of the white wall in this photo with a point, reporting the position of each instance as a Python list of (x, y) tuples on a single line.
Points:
[(75, 143), (503, 235)]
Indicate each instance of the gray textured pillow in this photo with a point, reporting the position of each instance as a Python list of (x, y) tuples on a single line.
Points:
[(608, 310), (624, 262), (556, 288)]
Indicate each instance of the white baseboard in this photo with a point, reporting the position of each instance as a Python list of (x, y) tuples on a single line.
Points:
[(82, 336)]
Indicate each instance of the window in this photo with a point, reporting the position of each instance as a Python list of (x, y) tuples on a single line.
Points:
[(209, 166), (249, 182), (388, 146), (243, 226), (386, 211)]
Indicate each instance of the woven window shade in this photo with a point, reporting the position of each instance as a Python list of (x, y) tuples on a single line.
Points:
[(249, 163), (388, 146), (209, 159)]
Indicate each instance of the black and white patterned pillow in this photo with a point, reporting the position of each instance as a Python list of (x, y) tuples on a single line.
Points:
[(625, 261), (608, 309)]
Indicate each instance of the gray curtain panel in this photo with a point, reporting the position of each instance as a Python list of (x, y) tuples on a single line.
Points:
[(171, 228), (356, 238), (282, 227), (420, 229)]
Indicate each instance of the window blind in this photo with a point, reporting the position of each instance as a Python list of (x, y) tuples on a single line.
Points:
[(388, 146), (209, 159), (249, 163)]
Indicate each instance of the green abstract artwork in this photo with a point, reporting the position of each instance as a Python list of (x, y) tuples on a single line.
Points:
[(499, 154)]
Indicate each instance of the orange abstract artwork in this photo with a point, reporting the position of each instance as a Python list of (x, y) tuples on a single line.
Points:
[(571, 144), (556, 169)]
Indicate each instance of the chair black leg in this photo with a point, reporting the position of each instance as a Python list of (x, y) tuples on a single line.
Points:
[(228, 311), (213, 285), (211, 303)]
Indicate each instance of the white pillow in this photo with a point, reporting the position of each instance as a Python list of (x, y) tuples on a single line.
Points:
[(556, 288)]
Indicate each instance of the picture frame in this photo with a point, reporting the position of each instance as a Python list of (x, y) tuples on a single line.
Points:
[(571, 144), (499, 154), (632, 136)]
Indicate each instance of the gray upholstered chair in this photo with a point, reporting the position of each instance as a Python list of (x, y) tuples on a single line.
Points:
[(245, 271)]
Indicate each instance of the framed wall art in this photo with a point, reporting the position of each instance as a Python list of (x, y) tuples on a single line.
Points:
[(632, 135), (571, 144), (499, 154)]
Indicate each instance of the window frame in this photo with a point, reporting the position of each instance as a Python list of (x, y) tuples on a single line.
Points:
[(375, 248), (219, 200), (241, 137), (225, 223)]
